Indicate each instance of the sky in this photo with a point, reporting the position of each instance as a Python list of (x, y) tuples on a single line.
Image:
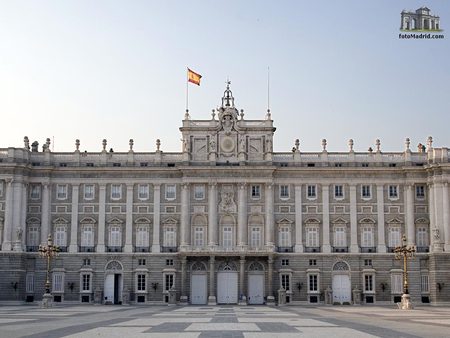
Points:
[(115, 70)]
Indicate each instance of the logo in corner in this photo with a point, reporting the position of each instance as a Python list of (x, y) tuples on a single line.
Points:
[(420, 21)]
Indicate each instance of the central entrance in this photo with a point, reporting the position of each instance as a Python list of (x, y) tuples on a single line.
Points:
[(255, 283), (198, 284), (227, 284), (341, 283), (113, 283)]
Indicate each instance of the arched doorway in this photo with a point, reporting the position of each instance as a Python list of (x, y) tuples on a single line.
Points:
[(227, 283), (342, 292), (113, 283), (198, 284), (255, 283)]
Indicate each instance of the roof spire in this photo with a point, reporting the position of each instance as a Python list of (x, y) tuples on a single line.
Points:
[(228, 99)]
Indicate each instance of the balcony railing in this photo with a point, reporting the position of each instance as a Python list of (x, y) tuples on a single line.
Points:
[(312, 249), (141, 249), (32, 248), (390, 248), (368, 249), (169, 249), (423, 249), (285, 249), (87, 248), (114, 249), (340, 248), (62, 248)]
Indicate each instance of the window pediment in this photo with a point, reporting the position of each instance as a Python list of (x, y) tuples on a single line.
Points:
[(170, 221), (61, 221), (88, 220), (285, 221), (340, 220), (115, 220), (312, 221), (395, 221), (143, 220), (422, 221), (367, 221), (33, 220)]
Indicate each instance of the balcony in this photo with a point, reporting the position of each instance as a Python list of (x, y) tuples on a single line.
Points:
[(62, 248), (423, 249), (285, 249), (87, 248), (169, 249), (390, 248), (312, 249), (141, 249), (32, 248), (113, 249), (340, 248), (368, 249)]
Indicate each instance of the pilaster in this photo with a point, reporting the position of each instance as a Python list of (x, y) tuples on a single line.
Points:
[(326, 248), (73, 247), (101, 217), (269, 216), (409, 204), (8, 225), (381, 247), (354, 248), (212, 289), (212, 214), (45, 219), (298, 219), (446, 210), (185, 224), (129, 220), (242, 216), (156, 246)]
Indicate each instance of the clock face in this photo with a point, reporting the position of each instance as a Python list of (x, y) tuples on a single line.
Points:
[(227, 144)]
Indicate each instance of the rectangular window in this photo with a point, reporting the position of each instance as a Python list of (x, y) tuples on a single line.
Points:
[(420, 191), (285, 262), (227, 237), (142, 236), (60, 236), (366, 191), (58, 282), (171, 192), (141, 261), (115, 236), (338, 191), (30, 283), (284, 191), (86, 282), (169, 282), (368, 262), (61, 191), (256, 191), (311, 192), (340, 237), (286, 281), (422, 237), (199, 236), (89, 191), (255, 237), (394, 237), (141, 282), (368, 283), (86, 261), (313, 283), (116, 191), (33, 236), (170, 209), (397, 283), (199, 192), (312, 237), (169, 262), (143, 191), (284, 239), (169, 237), (35, 191), (424, 284), (367, 237), (393, 191), (312, 262), (87, 236)]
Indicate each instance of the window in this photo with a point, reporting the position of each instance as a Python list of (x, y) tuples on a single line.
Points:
[(367, 237), (199, 237), (171, 192), (89, 164), (286, 281), (86, 282), (255, 237), (199, 192), (393, 192), (227, 237), (60, 236), (397, 283), (143, 191), (256, 191), (368, 262), (115, 235), (86, 261), (420, 191), (422, 237), (141, 282), (87, 236), (169, 282), (169, 236), (284, 262), (33, 235), (35, 191), (312, 237), (312, 262), (284, 239), (424, 284), (169, 262), (340, 237), (365, 165), (170, 209), (311, 192), (313, 283), (368, 283), (30, 283), (142, 236), (144, 164), (394, 236), (284, 191), (338, 191), (116, 191), (58, 282), (141, 261), (61, 191), (365, 191), (89, 191)]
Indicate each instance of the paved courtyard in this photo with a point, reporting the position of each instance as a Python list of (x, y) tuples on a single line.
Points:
[(222, 321)]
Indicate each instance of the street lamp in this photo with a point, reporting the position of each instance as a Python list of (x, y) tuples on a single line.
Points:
[(405, 252), (48, 251)]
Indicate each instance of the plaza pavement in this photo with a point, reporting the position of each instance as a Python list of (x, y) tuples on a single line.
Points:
[(222, 321)]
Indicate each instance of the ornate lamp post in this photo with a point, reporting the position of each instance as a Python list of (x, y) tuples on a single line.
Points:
[(48, 251), (405, 252)]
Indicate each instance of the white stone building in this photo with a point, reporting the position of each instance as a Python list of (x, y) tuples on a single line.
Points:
[(227, 220)]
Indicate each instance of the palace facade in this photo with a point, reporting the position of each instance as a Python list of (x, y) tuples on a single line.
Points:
[(225, 221)]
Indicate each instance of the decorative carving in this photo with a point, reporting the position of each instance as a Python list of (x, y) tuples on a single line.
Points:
[(436, 234), (212, 146), (227, 266), (198, 266), (227, 203), (114, 265), (340, 266), (34, 146), (255, 266), (26, 143), (19, 233)]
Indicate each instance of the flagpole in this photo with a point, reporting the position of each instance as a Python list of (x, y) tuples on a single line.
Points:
[(187, 90), (268, 93)]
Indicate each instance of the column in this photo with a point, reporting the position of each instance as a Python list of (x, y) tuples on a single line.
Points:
[(438, 214), (129, 220), (183, 297), (270, 297), (45, 219), (8, 225), (446, 217), (101, 218), (23, 215), (326, 248), (17, 214), (353, 220), (73, 247), (409, 206), (242, 300), (212, 292), (269, 215), (242, 216), (212, 215), (380, 215), (185, 224), (434, 235), (156, 247), (298, 219)]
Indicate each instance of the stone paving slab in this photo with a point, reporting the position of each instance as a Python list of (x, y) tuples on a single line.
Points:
[(223, 327)]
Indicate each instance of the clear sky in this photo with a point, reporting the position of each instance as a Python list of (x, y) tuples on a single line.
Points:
[(117, 70)]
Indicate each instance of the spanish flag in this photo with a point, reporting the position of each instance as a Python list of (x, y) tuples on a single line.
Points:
[(194, 77)]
